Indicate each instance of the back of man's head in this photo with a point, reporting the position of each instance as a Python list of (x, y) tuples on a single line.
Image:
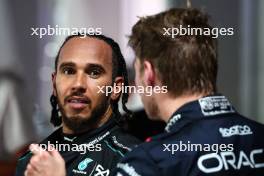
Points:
[(186, 64)]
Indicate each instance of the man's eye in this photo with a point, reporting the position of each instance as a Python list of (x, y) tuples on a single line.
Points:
[(68, 71), (95, 73)]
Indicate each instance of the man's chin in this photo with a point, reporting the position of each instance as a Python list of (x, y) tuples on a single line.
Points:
[(78, 116), (84, 120), (78, 123)]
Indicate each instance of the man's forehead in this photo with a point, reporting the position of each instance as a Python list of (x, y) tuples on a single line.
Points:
[(87, 43), (88, 48)]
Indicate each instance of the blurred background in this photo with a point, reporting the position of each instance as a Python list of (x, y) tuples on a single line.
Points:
[(26, 61)]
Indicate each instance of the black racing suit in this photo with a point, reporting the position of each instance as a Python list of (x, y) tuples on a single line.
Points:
[(92, 153), (204, 137)]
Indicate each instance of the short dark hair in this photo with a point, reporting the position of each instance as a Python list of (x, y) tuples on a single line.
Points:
[(187, 64), (119, 69)]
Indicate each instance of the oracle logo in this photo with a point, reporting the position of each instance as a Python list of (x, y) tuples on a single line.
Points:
[(228, 159)]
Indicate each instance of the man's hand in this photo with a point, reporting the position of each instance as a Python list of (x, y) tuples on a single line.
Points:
[(45, 163)]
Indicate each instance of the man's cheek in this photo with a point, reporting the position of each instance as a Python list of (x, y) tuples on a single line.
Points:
[(62, 89), (60, 96)]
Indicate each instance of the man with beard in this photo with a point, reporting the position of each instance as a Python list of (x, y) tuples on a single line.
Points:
[(204, 134), (90, 141)]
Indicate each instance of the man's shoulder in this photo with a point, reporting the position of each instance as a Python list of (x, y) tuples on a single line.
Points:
[(122, 140), (125, 136), (231, 129), (148, 150), (234, 125)]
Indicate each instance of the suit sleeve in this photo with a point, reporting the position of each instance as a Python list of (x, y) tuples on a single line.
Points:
[(22, 164)]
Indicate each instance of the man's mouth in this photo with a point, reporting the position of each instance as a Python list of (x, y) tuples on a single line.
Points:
[(76, 102)]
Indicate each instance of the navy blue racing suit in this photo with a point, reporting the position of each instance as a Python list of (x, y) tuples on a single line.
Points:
[(203, 137)]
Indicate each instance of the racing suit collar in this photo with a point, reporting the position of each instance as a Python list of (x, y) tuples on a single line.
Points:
[(204, 107), (79, 138)]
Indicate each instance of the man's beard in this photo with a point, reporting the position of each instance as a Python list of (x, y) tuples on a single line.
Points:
[(80, 124)]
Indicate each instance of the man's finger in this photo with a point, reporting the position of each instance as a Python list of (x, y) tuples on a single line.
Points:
[(26, 173), (39, 160), (54, 152), (35, 149), (31, 170)]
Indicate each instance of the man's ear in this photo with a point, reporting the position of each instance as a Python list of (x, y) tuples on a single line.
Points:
[(149, 73), (117, 87), (53, 77)]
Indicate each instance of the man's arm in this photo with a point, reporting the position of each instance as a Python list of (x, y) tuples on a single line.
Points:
[(22, 163)]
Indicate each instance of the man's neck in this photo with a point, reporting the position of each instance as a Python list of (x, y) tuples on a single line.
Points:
[(169, 105)]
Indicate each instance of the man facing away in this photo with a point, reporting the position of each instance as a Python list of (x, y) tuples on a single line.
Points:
[(90, 141), (204, 133)]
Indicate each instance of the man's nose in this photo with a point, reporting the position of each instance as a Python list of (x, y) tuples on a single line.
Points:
[(80, 82)]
